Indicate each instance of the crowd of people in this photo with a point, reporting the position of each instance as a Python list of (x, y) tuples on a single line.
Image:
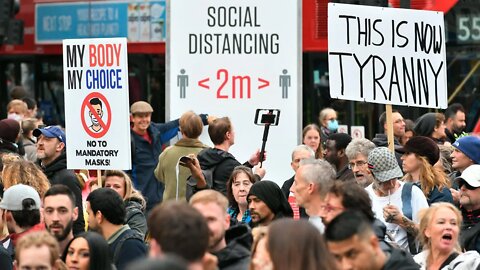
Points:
[(349, 203)]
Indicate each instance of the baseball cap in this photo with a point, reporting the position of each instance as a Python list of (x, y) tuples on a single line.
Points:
[(141, 107), (471, 175), (383, 164), (14, 196), (470, 146), (51, 132)]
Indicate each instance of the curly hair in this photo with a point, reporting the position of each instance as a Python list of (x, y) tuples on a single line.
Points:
[(25, 172)]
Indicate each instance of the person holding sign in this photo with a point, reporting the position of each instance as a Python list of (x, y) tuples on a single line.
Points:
[(381, 140)]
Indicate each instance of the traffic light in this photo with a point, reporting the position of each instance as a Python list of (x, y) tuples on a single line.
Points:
[(11, 29)]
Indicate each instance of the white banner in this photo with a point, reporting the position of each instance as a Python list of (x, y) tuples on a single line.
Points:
[(95, 75), (387, 55), (228, 58)]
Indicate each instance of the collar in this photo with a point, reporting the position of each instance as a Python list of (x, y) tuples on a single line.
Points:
[(114, 236)]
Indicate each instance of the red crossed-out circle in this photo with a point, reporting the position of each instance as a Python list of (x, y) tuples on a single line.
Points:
[(87, 106)]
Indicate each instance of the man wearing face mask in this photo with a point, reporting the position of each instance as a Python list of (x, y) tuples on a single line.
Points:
[(328, 123)]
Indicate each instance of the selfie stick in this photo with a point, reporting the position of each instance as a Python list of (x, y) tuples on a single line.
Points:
[(264, 139)]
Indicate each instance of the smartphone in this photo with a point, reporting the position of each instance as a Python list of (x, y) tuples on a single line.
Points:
[(185, 160), (265, 117)]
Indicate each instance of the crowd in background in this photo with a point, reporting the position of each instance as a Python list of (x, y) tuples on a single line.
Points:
[(349, 203)]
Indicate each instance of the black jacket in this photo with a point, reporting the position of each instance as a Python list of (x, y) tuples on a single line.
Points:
[(381, 140), (236, 255), (400, 260), (57, 173), (225, 163)]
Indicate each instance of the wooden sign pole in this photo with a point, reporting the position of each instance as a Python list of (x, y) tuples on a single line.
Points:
[(388, 112)]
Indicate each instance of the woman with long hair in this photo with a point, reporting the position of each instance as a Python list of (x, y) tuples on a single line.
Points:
[(238, 186), (87, 251), (439, 229), (311, 137), (291, 245), (134, 202), (421, 154)]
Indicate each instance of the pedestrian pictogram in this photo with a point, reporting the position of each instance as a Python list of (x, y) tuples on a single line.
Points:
[(182, 83), (96, 115), (285, 83)]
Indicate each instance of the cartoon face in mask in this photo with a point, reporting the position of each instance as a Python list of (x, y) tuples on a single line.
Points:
[(332, 125)]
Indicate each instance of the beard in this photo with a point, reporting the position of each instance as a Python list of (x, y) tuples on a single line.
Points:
[(64, 233), (214, 241), (95, 229)]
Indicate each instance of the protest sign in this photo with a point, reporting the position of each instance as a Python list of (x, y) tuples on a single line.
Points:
[(387, 55), (96, 103)]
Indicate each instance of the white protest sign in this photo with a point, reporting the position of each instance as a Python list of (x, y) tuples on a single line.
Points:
[(95, 76), (387, 55), (357, 132), (229, 58)]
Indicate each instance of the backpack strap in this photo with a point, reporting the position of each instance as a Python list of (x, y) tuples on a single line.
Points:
[(407, 212), (407, 200)]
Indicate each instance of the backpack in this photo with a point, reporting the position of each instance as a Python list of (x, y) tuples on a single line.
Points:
[(191, 185)]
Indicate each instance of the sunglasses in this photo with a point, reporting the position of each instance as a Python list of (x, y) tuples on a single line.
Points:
[(467, 185)]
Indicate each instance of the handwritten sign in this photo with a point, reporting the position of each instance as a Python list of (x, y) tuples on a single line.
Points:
[(387, 55)]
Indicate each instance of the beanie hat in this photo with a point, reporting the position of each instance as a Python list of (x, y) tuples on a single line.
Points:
[(271, 194), (425, 125), (470, 146), (9, 130), (423, 146)]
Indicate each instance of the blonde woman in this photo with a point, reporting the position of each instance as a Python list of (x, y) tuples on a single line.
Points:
[(134, 202), (438, 233), (421, 154)]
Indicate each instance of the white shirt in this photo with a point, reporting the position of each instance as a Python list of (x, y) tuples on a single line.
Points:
[(378, 203), (317, 222)]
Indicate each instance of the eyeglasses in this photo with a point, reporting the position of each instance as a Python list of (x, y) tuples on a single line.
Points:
[(467, 185), (359, 163), (329, 208)]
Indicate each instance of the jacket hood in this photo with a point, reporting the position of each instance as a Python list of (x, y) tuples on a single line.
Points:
[(239, 241), (133, 202), (58, 164), (212, 157), (401, 260)]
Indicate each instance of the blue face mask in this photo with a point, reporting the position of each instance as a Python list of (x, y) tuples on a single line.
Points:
[(332, 125)]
